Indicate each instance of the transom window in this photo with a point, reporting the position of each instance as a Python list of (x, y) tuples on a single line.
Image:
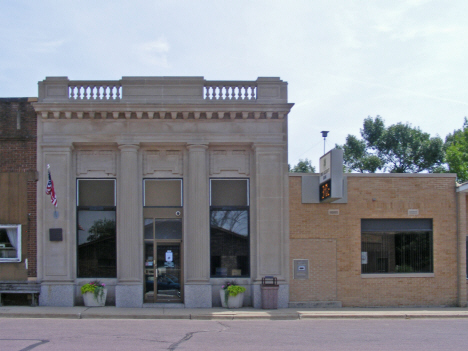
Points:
[(162, 193)]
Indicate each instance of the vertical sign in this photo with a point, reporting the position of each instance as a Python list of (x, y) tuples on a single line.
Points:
[(331, 176)]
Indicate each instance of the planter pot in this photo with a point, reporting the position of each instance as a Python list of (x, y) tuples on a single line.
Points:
[(233, 301), (91, 301)]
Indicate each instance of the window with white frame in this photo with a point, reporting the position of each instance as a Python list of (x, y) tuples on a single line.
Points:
[(10, 242)]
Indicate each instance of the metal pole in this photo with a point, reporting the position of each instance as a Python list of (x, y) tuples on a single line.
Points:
[(324, 134)]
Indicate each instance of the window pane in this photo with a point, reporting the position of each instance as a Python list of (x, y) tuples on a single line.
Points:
[(148, 228), (229, 243), (229, 192), (96, 244), (396, 225), (163, 192), (397, 252), (168, 228), (96, 192), (10, 242)]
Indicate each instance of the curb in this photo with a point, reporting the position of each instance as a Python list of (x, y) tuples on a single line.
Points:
[(228, 315)]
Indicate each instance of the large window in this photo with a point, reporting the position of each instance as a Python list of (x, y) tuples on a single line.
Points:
[(229, 228), (96, 233), (396, 246), (10, 243)]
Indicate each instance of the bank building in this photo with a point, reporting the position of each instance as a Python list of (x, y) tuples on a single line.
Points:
[(167, 187)]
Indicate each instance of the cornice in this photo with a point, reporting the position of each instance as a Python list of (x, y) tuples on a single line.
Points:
[(111, 111)]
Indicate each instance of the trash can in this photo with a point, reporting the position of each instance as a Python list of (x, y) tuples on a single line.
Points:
[(269, 290)]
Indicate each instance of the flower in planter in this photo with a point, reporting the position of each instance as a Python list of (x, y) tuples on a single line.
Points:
[(231, 289), (95, 287)]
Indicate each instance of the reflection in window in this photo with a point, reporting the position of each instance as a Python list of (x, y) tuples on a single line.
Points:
[(96, 229), (229, 228)]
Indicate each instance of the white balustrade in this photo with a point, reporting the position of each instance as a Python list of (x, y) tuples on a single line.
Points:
[(129, 90), (95, 90), (230, 91)]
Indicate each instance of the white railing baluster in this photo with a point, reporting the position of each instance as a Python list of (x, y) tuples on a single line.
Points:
[(111, 91), (230, 91), (94, 90)]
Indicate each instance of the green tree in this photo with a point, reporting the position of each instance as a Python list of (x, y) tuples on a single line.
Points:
[(357, 157), (399, 148), (101, 228), (456, 152), (303, 166)]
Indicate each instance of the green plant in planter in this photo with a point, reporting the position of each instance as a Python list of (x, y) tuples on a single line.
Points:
[(95, 287), (231, 289)]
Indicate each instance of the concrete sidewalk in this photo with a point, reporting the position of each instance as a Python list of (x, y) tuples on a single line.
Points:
[(81, 312)]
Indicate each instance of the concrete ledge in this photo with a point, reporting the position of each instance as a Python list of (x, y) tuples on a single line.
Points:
[(315, 304)]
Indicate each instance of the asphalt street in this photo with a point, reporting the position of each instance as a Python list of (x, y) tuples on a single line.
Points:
[(24, 334)]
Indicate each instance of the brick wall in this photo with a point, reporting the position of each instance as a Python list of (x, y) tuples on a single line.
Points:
[(18, 131), (314, 233)]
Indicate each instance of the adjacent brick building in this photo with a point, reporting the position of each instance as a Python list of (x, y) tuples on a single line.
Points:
[(18, 130), (331, 236)]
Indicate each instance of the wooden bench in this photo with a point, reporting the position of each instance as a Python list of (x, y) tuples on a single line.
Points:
[(20, 288)]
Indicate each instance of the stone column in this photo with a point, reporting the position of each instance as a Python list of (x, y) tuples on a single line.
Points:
[(197, 230), (129, 289), (56, 259), (271, 213)]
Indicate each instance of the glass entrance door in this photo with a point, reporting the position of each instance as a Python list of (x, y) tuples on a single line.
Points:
[(163, 260), (168, 272)]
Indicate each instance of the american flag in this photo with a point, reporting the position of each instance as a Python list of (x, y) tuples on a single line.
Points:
[(50, 189)]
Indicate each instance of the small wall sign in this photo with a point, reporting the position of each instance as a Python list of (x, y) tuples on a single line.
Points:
[(363, 257)]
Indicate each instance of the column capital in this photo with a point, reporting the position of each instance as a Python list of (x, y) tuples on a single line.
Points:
[(197, 147), (129, 147)]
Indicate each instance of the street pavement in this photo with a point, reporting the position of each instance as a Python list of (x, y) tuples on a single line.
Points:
[(245, 313)]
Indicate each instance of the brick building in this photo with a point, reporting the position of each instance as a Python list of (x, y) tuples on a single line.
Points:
[(394, 241), (18, 158)]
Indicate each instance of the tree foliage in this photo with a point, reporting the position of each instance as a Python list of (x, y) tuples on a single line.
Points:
[(456, 152), (399, 148), (101, 228), (303, 166)]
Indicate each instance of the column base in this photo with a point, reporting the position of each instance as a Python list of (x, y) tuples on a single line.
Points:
[(198, 296), (128, 295), (60, 295)]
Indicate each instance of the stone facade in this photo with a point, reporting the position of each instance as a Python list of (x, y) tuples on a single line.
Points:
[(329, 236), (163, 128), (18, 182)]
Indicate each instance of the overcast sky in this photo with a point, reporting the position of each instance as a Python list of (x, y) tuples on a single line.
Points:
[(344, 60)]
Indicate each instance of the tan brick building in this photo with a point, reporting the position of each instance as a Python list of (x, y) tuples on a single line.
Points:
[(332, 237)]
